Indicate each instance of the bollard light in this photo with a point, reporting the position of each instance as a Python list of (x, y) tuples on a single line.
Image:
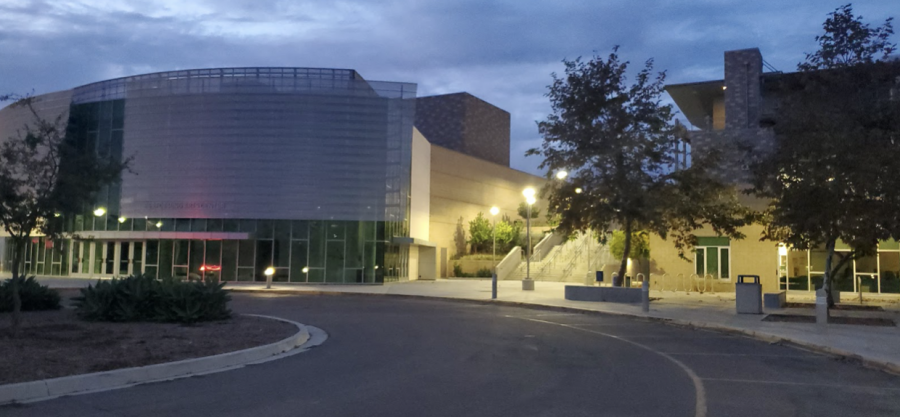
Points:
[(268, 273)]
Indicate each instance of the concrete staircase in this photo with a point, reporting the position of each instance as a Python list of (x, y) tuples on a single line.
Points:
[(568, 261)]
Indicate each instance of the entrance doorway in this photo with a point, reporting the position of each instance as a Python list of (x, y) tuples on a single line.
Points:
[(107, 258)]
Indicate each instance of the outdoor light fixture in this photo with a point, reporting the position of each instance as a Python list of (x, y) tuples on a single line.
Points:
[(528, 283), (268, 273), (56, 214), (99, 211), (724, 87), (494, 211), (561, 175), (305, 269), (578, 190), (159, 225), (121, 220)]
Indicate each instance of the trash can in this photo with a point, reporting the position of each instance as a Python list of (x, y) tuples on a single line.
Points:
[(599, 275), (748, 295)]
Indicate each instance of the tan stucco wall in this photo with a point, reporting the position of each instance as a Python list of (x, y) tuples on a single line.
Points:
[(463, 186), (749, 256), (718, 118)]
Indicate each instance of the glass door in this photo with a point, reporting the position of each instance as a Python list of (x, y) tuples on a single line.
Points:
[(129, 258)]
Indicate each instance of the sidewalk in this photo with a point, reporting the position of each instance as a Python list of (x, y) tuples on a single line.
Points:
[(875, 346)]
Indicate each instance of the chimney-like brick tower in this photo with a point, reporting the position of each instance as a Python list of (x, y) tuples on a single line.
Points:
[(743, 69)]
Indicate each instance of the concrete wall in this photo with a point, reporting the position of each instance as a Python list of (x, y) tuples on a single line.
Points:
[(718, 118), (420, 187), (463, 186)]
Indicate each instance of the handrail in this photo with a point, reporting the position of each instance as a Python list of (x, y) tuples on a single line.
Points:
[(544, 246), (510, 262)]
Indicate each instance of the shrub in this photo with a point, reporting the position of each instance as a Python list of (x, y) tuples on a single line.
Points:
[(484, 273), (34, 295), (144, 298)]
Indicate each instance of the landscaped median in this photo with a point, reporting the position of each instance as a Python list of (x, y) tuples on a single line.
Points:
[(58, 353)]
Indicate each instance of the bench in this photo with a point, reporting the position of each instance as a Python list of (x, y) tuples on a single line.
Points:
[(775, 299)]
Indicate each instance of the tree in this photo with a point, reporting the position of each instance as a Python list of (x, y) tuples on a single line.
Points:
[(480, 232), (42, 176), (832, 175), (617, 143), (523, 211), (640, 245)]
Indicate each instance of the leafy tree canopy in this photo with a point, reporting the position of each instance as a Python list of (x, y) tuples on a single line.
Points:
[(832, 174), (617, 141), (44, 175)]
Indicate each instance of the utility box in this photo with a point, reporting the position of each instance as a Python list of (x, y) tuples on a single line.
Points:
[(748, 295)]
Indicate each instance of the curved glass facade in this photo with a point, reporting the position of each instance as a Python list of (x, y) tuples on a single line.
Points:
[(239, 169)]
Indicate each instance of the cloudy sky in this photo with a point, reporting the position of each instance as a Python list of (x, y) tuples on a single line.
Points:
[(500, 51)]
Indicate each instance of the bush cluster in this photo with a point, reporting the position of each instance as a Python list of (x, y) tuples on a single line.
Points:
[(34, 295), (481, 273), (144, 298)]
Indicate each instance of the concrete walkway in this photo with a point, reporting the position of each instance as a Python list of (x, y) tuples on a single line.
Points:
[(875, 346)]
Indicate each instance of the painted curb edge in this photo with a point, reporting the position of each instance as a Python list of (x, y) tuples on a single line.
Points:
[(101, 381), (885, 366)]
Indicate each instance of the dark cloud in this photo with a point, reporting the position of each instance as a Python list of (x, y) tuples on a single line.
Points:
[(501, 51)]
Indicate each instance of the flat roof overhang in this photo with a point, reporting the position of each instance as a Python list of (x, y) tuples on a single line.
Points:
[(410, 241), (695, 100)]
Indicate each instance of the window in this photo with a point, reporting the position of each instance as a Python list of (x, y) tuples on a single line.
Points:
[(712, 256)]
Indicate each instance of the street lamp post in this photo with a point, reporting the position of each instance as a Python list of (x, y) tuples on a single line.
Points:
[(528, 283), (494, 211)]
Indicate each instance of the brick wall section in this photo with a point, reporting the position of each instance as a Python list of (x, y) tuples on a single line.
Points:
[(466, 124), (738, 149), (743, 69)]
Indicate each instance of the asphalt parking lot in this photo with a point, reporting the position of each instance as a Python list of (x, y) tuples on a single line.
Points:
[(388, 356)]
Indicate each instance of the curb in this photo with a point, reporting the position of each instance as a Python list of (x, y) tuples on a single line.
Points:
[(888, 367), (101, 381)]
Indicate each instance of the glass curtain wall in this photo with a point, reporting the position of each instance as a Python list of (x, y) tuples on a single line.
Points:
[(879, 273), (335, 252)]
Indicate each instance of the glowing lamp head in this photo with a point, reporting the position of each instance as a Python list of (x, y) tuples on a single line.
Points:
[(494, 211), (57, 214), (305, 269), (99, 211), (121, 220), (530, 200), (578, 190), (159, 225), (269, 271), (561, 175), (528, 192)]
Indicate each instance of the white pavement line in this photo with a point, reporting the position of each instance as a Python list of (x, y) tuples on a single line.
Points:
[(810, 384), (42, 390), (765, 355), (699, 404)]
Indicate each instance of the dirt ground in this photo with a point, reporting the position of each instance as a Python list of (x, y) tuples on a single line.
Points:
[(56, 343)]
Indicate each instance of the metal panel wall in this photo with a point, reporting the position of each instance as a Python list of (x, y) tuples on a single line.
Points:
[(287, 146)]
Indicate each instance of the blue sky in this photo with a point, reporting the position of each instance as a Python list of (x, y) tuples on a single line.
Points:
[(500, 51)]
